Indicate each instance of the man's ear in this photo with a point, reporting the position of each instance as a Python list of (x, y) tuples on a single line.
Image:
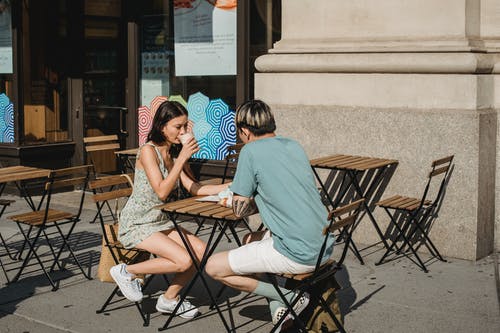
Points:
[(246, 132)]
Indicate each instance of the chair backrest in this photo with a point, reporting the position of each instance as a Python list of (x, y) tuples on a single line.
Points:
[(66, 180), (440, 170), (100, 151), (113, 187), (341, 218), (117, 188), (233, 153)]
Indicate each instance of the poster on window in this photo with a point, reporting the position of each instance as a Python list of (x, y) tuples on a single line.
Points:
[(5, 37), (205, 37)]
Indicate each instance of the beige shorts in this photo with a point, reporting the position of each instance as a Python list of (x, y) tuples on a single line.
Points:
[(261, 257)]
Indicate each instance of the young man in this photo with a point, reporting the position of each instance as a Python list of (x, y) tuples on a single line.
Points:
[(274, 174)]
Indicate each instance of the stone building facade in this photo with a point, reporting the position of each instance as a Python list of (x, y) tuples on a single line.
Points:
[(413, 80)]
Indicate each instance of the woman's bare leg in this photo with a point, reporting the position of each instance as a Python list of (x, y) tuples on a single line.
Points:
[(172, 258)]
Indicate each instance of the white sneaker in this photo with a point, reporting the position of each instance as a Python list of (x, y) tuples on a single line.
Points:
[(130, 288), (186, 310), (298, 308)]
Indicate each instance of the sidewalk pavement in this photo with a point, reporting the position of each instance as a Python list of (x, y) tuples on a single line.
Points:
[(455, 296)]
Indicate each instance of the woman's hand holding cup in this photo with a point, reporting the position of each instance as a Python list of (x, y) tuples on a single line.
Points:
[(186, 137), (189, 145)]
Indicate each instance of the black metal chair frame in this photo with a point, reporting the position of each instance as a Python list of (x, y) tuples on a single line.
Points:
[(42, 220), (5, 203), (116, 191), (418, 211), (341, 219), (95, 144)]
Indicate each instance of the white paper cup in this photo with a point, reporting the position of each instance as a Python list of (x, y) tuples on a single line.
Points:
[(186, 137)]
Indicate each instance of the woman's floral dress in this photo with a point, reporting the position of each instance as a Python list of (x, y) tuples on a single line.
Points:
[(139, 219)]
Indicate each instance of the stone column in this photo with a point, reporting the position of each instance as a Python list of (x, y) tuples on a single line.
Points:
[(413, 80)]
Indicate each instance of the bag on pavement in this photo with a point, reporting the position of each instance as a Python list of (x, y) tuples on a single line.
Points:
[(126, 256), (317, 320)]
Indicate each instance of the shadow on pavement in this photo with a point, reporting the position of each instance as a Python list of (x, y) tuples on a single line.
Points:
[(32, 280)]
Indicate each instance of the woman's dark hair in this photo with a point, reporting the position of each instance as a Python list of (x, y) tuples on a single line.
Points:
[(256, 116), (167, 111)]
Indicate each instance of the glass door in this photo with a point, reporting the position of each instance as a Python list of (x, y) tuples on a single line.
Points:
[(104, 75)]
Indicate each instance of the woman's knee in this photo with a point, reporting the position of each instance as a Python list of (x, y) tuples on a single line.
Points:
[(183, 263), (199, 249)]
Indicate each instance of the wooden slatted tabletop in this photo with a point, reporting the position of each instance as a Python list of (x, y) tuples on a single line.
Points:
[(191, 206), (350, 162), (19, 172)]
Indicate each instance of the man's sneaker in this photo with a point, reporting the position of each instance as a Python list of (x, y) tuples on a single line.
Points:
[(186, 310), (130, 288), (286, 323), (298, 308)]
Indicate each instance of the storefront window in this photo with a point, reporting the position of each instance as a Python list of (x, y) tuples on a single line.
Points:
[(45, 71), (6, 68), (189, 47)]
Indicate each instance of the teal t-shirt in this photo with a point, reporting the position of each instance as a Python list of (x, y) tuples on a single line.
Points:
[(277, 173)]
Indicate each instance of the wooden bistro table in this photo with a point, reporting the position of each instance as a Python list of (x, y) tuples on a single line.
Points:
[(19, 175), (223, 219), (356, 170)]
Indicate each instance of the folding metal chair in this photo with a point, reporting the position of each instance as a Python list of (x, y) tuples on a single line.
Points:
[(416, 214), (116, 188), (100, 148), (233, 153), (231, 159), (97, 150), (62, 180), (4, 204), (342, 220)]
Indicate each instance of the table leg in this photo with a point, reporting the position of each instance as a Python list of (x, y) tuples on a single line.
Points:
[(199, 269), (354, 179)]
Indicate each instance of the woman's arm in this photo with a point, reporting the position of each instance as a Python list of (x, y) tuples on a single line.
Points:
[(149, 161), (196, 188)]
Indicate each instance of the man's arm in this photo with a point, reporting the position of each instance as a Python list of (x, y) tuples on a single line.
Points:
[(243, 206)]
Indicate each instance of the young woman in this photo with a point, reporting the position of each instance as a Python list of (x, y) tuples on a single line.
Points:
[(159, 168)]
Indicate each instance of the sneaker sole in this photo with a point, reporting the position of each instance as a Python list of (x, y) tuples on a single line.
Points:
[(113, 272), (303, 306)]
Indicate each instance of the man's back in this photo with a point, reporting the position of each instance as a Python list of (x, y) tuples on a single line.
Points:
[(276, 171)]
